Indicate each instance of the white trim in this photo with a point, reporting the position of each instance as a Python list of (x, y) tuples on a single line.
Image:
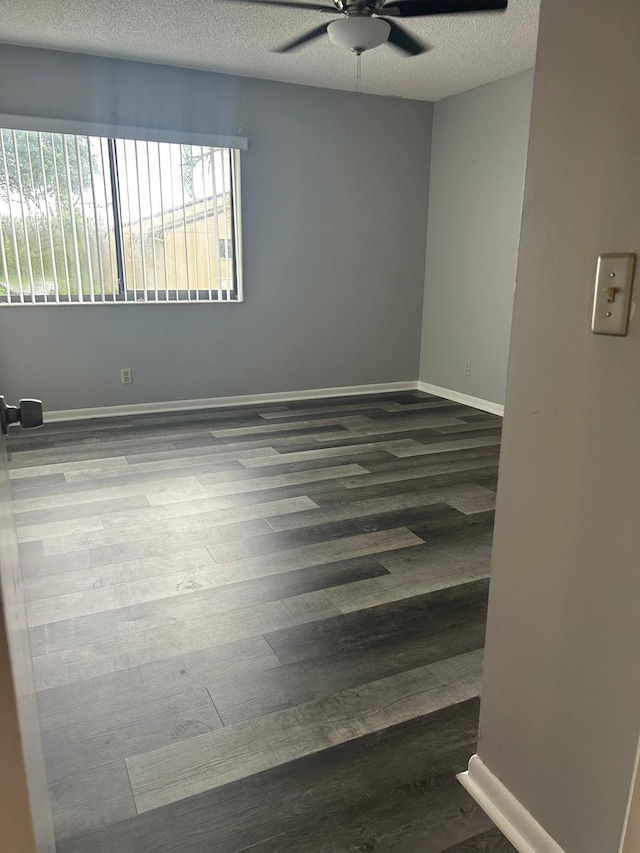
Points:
[(508, 813), (631, 826), (458, 397), (121, 131), (236, 196), (219, 402)]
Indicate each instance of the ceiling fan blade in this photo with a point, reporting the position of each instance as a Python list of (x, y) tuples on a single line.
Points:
[(420, 8), (403, 40), (310, 36), (285, 5)]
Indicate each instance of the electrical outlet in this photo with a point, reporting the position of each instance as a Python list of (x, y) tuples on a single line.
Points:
[(126, 376), (467, 369)]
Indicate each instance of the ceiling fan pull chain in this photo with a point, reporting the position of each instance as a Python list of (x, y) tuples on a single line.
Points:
[(358, 73)]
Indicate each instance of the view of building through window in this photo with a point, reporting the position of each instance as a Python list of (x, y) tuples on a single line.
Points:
[(96, 219)]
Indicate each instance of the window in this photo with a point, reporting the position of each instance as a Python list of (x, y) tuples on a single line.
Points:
[(96, 219)]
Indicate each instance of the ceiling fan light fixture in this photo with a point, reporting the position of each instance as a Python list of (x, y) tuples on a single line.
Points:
[(359, 32)]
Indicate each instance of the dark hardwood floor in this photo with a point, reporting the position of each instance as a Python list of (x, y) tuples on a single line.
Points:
[(261, 629)]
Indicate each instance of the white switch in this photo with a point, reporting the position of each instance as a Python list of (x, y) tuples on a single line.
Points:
[(612, 297)]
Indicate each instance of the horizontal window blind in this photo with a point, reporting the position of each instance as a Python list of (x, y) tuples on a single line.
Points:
[(89, 219)]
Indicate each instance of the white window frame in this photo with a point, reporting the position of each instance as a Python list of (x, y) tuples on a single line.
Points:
[(236, 144)]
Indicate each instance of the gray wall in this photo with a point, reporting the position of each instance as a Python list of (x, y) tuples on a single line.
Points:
[(477, 178), (334, 192), (560, 711)]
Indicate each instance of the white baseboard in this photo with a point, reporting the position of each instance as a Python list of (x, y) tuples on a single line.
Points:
[(508, 813), (458, 397), (219, 402), (275, 397)]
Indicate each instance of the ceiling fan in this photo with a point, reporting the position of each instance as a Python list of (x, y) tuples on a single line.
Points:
[(364, 23)]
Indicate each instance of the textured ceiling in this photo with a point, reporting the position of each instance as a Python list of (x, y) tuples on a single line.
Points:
[(234, 38)]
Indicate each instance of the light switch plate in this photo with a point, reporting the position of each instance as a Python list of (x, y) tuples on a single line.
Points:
[(612, 297)]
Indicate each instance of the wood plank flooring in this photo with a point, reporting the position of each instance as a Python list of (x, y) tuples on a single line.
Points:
[(261, 629)]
